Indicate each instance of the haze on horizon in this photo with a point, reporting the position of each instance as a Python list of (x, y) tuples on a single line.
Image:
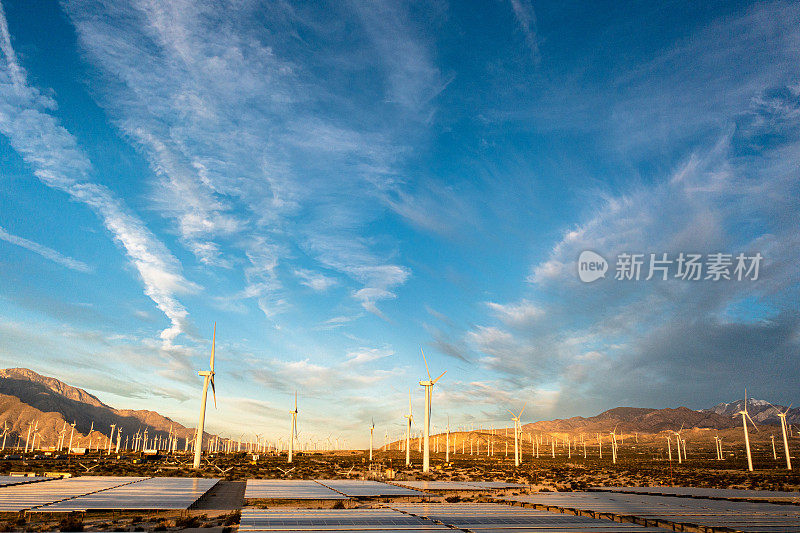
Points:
[(338, 185)]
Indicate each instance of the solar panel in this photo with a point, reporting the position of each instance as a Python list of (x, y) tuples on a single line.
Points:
[(21, 497), (495, 518), (6, 481), (364, 488), (290, 489), (674, 511), (703, 492), (498, 485), (459, 485), (332, 520), (162, 493)]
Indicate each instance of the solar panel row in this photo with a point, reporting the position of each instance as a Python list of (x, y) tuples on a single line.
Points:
[(294, 489), (6, 481), (460, 485), (22, 497), (322, 489), (154, 494), (702, 492), (498, 518), (361, 488), (675, 511), (333, 520)]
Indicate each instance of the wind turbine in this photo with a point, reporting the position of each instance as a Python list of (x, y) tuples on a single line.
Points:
[(614, 445), (782, 416), (71, 434), (294, 428), (516, 418), (426, 456), (745, 417), (447, 452), (410, 419), (371, 431), (208, 378)]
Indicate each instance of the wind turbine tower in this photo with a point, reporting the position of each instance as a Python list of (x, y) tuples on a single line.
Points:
[(208, 378), (294, 428), (745, 418), (516, 419), (410, 418), (426, 445), (371, 431)]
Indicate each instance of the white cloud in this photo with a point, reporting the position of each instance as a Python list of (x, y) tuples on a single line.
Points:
[(367, 355), (517, 315), (243, 140), (526, 18), (58, 162), (315, 280), (45, 252)]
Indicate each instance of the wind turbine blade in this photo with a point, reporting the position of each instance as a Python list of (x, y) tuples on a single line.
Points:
[(512, 414), (523, 410), (295, 401), (440, 377), (426, 364), (213, 346), (751, 421), (214, 392)]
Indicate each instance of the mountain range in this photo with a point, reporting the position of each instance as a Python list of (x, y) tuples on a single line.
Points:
[(28, 397)]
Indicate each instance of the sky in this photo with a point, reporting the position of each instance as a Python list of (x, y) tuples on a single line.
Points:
[(339, 185)]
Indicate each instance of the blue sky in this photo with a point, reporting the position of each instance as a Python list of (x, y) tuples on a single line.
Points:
[(340, 184)]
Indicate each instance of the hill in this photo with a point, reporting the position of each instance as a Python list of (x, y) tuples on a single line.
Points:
[(28, 397)]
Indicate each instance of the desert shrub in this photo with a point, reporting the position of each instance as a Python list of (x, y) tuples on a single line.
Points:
[(185, 522), (232, 518), (70, 522)]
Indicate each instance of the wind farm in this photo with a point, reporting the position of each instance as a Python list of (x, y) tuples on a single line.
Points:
[(493, 267)]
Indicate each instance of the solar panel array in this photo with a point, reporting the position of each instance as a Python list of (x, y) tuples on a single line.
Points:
[(702, 492), (22, 497), (675, 512), (6, 481), (162, 493), (290, 489), (362, 489), (339, 520), (460, 485), (497, 518)]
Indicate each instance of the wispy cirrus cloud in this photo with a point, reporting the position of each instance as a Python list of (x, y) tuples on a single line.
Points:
[(44, 251), (243, 137), (27, 118), (526, 18)]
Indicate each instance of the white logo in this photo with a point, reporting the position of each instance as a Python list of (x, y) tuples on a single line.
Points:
[(591, 266)]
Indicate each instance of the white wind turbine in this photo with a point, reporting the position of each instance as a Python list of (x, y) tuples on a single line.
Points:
[(516, 418), (208, 378), (426, 455), (371, 431), (71, 434), (447, 452), (614, 445), (294, 428), (409, 419), (745, 418), (782, 416)]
